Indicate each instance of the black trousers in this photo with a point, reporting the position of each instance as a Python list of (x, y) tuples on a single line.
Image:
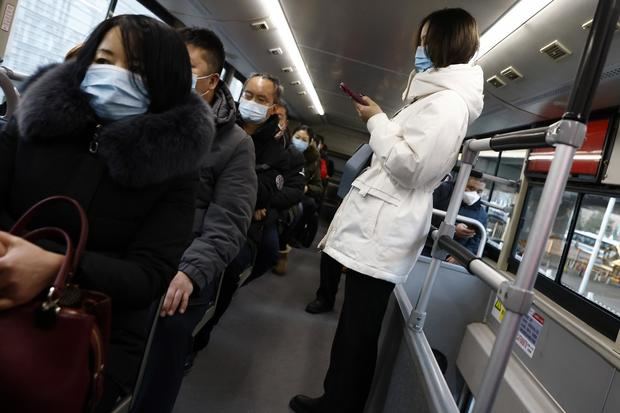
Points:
[(331, 271), (354, 350)]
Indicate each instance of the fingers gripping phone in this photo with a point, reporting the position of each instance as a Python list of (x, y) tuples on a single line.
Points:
[(355, 96)]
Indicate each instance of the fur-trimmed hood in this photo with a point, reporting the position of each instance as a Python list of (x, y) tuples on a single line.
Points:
[(138, 151)]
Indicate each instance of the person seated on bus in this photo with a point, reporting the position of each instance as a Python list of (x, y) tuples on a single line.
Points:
[(302, 182), (286, 205), (119, 130), (305, 230), (261, 94), (381, 225), (471, 207), (283, 135), (224, 209)]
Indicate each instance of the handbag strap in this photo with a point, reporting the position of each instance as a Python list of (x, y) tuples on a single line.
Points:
[(66, 268), (20, 227)]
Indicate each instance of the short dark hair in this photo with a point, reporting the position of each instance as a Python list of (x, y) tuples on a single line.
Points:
[(307, 129), (208, 41), (279, 89), (452, 37), (154, 51)]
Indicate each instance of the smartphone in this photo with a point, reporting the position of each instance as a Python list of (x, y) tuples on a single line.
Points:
[(355, 96)]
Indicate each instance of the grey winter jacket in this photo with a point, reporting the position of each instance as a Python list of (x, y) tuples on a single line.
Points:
[(226, 198)]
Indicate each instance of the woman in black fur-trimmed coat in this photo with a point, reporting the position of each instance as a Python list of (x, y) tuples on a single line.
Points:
[(136, 176)]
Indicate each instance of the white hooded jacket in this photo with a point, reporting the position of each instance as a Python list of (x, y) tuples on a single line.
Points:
[(382, 223)]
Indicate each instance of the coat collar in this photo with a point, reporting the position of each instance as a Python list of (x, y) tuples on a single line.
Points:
[(138, 151)]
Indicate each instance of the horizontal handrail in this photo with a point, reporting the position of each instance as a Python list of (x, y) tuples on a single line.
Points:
[(467, 220), (506, 208), (473, 264), (524, 139), (13, 75)]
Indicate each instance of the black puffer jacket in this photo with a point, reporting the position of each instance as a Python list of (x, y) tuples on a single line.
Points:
[(138, 188), (293, 190), (271, 162), (226, 197)]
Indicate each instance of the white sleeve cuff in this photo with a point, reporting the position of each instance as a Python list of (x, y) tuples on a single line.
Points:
[(375, 121)]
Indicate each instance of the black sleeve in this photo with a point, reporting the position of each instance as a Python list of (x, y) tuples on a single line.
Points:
[(8, 150), (142, 274), (292, 193), (227, 219)]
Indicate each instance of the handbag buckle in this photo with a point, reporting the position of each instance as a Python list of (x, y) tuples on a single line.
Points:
[(45, 316)]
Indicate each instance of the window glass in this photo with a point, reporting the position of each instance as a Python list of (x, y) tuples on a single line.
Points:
[(44, 31), (559, 232), (503, 196), (132, 7), (236, 87), (596, 274)]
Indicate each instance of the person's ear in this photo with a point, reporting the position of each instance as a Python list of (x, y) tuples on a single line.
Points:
[(214, 81)]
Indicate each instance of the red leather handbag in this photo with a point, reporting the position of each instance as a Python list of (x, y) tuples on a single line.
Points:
[(53, 349)]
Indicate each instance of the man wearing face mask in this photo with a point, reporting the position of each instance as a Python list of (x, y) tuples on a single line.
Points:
[(224, 209), (257, 117), (471, 207)]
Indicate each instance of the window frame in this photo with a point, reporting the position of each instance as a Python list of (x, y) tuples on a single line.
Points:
[(597, 317)]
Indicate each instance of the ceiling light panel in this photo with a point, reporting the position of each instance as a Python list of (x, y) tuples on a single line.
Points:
[(278, 19), (514, 18)]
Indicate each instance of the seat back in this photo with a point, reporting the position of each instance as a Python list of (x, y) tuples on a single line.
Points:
[(211, 310)]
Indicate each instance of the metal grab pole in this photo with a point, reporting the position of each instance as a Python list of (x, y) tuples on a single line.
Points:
[(569, 134), (418, 315), (526, 276)]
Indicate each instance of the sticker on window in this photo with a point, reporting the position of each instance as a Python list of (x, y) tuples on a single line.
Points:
[(529, 332), (498, 310)]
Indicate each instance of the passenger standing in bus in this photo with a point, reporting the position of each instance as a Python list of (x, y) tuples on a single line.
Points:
[(119, 130), (224, 208), (381, 226)]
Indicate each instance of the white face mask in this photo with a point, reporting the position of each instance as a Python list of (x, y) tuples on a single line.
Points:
[(252, 112), (471, 197)]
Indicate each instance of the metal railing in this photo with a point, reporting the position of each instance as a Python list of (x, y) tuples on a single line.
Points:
[(566, 136), (481, 229)]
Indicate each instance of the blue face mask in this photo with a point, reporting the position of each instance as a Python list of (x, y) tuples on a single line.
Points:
[(300, 145), (113, 93), (252, 112), (422, 61)]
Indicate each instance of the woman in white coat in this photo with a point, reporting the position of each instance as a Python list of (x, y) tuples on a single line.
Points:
[(381, 226)]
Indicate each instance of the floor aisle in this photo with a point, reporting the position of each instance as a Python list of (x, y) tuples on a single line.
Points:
[(266, 348)]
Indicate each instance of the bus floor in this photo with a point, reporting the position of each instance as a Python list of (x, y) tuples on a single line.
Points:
[(266, 348)]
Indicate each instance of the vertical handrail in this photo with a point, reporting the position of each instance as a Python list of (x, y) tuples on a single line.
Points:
[(418, 315), (569, 135)]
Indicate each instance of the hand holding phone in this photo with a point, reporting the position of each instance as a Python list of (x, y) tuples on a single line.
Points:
[(355, 96)]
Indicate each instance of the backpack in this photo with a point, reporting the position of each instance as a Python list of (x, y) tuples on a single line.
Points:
[(354, 167)]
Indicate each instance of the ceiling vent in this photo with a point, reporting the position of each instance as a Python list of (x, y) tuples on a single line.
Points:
[(302, 93), (276, 51), (511, 73), (260, 26), (287, 69), (295, 83), (556, 50), (587, 25), (496, 81)]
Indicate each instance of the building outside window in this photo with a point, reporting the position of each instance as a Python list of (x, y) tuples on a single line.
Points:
[(44, 31), (593, 263)]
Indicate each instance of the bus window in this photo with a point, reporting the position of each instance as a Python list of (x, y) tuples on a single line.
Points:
[(559, 232), (132, 7), (236, 87), (602, 282), (509, 167), (44, 30)]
